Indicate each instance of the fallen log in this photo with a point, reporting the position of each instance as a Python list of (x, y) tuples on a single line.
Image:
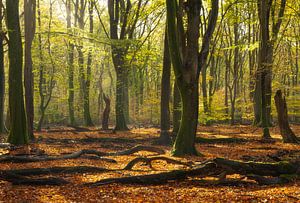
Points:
[(75, 155)]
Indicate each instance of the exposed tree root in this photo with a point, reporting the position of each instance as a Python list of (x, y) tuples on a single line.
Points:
[(89, 140), (21, 180), (75, 155), (149, 161), (137, 149), (55, 170), (216, 167), (262, 173), (219, 140)]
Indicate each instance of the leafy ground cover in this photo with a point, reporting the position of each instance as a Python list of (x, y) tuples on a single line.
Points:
[(62, 141)]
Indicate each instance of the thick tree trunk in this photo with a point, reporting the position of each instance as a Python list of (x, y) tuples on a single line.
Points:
[(121, 123), (29, 20), (106, 112), (286, 132), (176, 109), (2, 73), (165, 96), (18, 126), (185, 139)]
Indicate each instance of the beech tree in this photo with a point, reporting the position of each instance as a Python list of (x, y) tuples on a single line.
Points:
[(187, 63), (18, 126), (123, 23), (268, 37)]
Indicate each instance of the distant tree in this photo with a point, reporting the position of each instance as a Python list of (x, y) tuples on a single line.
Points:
[(70, 65), (84, 75), (2, 73), (106, 112), (18, 126), (268, 37), (123, 18)]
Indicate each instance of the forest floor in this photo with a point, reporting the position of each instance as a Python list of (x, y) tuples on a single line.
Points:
[(57, 141)]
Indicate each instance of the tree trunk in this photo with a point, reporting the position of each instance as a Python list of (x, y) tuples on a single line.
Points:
[(265, 64), (185, 139), (2, 73), (105, 117), (176, 109), (121, 123), (29, 21), (286, 132), (257, 100), (18, 134), (165, 96), (227, 68), (235, 73), (204, 89), (70, 67), (41, 69)]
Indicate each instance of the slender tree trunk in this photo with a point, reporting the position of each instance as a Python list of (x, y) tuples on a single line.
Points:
[(44, 90), (165, 95), (283, 119), (70, 67), (29, 20), (87, 114), (204, 89), (212, 82), (18, 134), (41, 68), (2, 73), (106, 112), (227, 68), (235, 74)]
